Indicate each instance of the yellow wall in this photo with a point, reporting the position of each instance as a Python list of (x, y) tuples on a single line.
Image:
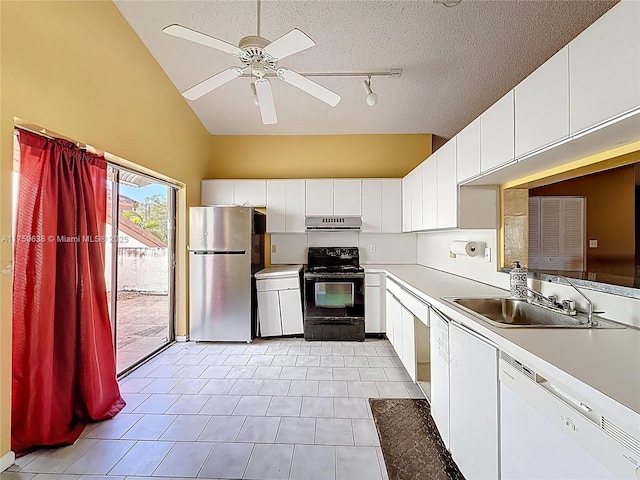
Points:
[(78, 69), (316, 156)]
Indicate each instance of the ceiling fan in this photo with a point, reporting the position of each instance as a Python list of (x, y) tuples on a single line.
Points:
[(259, 56)]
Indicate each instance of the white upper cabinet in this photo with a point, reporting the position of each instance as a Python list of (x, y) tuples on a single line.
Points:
[(391, 210), (250, 192), (276, 209), (447, 191), (285, 206), (347, 197), (382, 205), (468, 155), (542, 105), (604, 67), (234, 192), (319, 196), (430, 192), (295, 206), (497, 134), (334, 197), (216, 192), (406, 203), (416, 198), (371, 205)]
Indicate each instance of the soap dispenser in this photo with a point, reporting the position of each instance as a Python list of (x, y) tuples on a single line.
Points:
[(518, 282)]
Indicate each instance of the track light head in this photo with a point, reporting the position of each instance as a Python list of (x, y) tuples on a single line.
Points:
[(371, 98)]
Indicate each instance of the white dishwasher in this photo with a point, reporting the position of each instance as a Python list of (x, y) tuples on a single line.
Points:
[(547, 433)]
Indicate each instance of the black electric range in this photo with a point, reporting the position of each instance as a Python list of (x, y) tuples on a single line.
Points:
[(333, 294)]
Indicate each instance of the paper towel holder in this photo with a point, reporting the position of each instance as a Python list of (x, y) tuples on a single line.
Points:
[(466, 248)]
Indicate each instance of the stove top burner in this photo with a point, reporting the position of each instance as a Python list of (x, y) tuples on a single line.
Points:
[(333, 260)]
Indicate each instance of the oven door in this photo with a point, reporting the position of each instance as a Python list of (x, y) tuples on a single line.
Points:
[(335, 296)]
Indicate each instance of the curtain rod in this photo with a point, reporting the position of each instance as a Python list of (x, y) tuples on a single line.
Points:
[(110, 163), (51, 137)]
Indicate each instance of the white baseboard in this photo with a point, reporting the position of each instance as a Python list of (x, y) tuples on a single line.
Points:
[(182, 338), (7, 460)]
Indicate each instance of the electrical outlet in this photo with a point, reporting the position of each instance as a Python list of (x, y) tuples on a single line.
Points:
[(372, 247), (273, 249), (487, 254), (593, 243)]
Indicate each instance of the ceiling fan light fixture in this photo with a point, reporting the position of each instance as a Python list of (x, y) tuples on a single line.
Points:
[(257, 69), (260, 58), (371, 98)]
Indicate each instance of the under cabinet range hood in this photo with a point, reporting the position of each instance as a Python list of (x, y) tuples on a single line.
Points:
[(333, 223)]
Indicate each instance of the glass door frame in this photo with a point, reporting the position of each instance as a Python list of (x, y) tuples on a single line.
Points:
[(171, 245)]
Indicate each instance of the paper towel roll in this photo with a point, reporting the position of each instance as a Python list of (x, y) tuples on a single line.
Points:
[(466, 249)]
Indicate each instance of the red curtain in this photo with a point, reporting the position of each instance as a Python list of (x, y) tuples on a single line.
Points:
[(64, 372)]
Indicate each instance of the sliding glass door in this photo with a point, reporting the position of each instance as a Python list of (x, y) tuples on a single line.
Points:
[(140, 255)]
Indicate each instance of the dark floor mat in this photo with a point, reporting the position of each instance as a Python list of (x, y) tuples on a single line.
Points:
[(411, 444)]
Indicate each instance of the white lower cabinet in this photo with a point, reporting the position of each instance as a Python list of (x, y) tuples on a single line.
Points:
[(473, 404), (439, 340), (279, 306), (291, 311), (408, 354), (407, 328), (393, 317), (374, 321), (269, 311)]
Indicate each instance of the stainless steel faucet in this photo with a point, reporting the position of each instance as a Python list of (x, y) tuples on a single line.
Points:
[(551, 299), (570, 305)]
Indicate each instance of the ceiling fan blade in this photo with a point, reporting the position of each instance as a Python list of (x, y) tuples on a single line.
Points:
[(265, 101), (203, 39), (309, 86), (212, 83), (293, 42)]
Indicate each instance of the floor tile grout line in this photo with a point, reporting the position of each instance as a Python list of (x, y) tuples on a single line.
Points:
[(244, 472)]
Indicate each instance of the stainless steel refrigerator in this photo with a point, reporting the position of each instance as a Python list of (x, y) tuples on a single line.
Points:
[(222, 244)]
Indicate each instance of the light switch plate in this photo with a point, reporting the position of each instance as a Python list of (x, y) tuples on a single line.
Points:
[(593, 243)]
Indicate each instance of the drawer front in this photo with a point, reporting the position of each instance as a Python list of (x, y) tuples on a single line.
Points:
[(410, 302), (285, 283)]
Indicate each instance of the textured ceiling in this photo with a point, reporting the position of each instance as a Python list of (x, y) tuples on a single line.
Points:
[(455, 61)]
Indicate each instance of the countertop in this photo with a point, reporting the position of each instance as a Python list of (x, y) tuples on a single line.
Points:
[(606, 360), (278, 271)]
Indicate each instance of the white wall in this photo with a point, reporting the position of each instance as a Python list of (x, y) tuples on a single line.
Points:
[(141, 270), (389, 248), (433, 251)]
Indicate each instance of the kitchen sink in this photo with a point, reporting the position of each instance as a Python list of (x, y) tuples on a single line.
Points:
[(506, 312)]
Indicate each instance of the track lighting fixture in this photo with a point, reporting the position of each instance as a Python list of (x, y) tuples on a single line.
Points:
[(371, 98)]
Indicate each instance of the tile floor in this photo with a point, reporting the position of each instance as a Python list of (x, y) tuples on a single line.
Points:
[(273, 409)]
